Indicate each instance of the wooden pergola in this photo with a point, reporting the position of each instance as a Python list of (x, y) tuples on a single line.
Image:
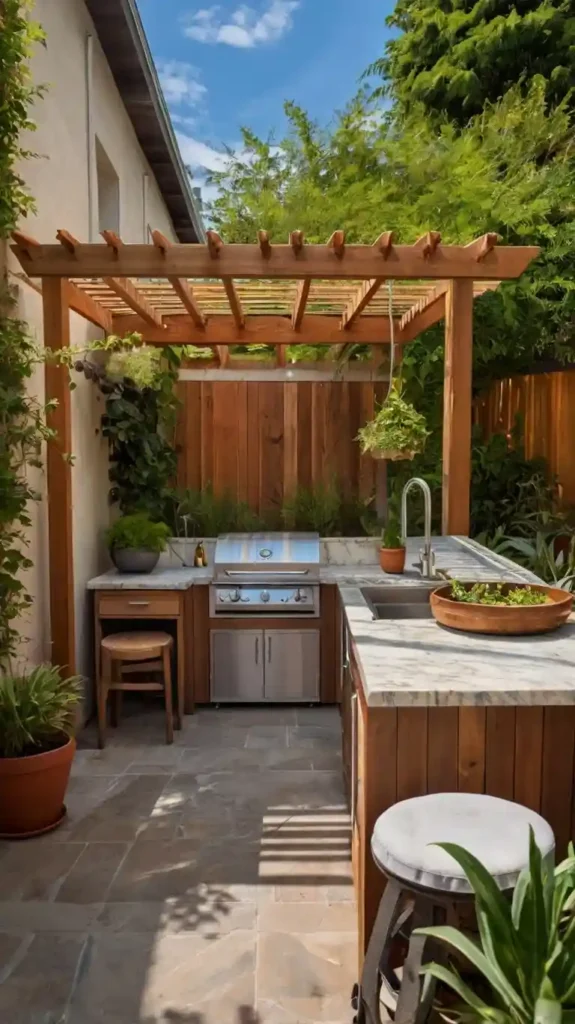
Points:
[(217, 295)]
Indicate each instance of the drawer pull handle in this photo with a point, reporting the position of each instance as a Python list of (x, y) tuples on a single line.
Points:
[(143, 604)]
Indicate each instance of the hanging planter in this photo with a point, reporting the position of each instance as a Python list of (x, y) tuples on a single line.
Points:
[(396, 432)]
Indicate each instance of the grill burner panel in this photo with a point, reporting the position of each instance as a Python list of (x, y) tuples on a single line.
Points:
[(270, 574)]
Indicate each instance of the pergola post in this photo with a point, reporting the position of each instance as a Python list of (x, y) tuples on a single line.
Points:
[(59, 478), (457, 407)]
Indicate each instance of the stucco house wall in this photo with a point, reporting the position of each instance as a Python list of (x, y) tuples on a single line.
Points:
[(81, 105)]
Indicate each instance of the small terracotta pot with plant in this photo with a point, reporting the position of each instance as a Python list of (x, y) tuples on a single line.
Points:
[(37, 721), (135, 542), (392, 550)]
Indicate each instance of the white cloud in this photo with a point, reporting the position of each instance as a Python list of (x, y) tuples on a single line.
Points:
[(245, 27), (198, 155), (180, 83)]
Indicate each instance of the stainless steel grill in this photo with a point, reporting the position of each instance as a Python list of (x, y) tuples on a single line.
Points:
[(266, 574)]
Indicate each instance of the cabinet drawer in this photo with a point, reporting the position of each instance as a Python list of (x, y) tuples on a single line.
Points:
[(138, 604)]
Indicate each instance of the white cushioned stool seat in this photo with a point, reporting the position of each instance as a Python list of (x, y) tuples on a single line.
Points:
[(495, 831)]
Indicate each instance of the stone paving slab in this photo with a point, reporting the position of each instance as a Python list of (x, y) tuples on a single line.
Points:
[(204, 883)]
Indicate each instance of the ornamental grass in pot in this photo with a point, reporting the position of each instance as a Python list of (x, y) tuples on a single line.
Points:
[(37, 745), (135, 542)]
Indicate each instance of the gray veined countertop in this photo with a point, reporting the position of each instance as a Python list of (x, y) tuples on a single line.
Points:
[(417, 663)]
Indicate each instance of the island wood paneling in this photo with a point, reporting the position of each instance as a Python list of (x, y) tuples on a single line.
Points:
[(517, 753), (546, 404), (257, 441)]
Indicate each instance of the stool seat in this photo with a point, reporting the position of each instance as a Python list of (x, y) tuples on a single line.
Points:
[(496, 831), (134, 646)]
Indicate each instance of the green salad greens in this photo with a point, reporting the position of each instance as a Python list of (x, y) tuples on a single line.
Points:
[(496, 594)]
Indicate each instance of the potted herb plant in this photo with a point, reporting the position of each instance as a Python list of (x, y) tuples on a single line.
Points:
[(397, 431), (37, 719), (392, 550), (526, 956), (135, 542)]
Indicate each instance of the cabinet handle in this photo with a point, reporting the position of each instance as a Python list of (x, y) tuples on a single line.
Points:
[(269, 649), (257, 650), (142, 604)]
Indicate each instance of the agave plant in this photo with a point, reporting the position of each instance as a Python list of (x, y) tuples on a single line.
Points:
[(526, 953), (541, 557)]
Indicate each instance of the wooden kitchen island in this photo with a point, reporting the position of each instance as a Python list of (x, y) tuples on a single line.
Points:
[(426, 710)]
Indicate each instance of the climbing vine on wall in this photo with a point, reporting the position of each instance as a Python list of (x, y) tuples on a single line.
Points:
[(23, 427), (18, 34), (138, 383)]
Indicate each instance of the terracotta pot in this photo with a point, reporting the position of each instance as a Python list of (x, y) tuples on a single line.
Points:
[(392, 454), (32, 791), (392, 559), (503, 619)]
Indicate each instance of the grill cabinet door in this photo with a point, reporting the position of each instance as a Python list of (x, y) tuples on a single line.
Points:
[(237, 665), (291, 665)]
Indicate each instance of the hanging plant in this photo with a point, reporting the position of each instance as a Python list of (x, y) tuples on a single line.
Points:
[(397, 431)]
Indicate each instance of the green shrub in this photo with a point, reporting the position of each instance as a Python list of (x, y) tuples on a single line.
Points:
[(137, 532), (37, 710)]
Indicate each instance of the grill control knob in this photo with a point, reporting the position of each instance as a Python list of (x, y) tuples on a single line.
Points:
[(300, 596), (265, 596), (235, 596)]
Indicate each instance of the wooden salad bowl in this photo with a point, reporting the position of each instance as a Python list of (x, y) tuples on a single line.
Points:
[(503, 619)]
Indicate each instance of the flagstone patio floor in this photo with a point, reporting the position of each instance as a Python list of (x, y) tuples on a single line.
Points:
[(207, 882)]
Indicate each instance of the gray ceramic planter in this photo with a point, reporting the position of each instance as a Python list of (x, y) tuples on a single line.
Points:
[(134, 560)]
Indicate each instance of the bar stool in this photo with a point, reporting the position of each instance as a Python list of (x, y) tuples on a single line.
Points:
[(425, 884), (130, 653)]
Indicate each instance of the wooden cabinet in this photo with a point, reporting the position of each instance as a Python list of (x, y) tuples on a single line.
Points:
[(174, 606)]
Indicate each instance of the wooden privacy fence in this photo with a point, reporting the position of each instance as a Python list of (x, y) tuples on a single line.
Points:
[(546, 404), (258, 441)]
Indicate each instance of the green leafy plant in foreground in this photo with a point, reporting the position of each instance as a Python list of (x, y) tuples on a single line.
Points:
[(37, 710), (137, 532), (495, 594), (526, 953), (397, 429), (542, 556)]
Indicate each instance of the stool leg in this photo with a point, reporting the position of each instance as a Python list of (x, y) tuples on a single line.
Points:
[(389, 907), (167, 667), (116, 676), (414, 1001), (102, 685)]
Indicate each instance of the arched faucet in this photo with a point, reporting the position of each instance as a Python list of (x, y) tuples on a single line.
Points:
[(426, 563)]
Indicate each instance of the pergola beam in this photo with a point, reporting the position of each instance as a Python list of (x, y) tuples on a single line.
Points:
[(216, 248), (362, 298), (125, 289), (78, 300), (287, 262), (179, 284), (425, 313), (180, 329), (300, 303)]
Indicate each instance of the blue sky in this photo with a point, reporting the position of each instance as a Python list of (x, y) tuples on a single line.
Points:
[(232, 64)]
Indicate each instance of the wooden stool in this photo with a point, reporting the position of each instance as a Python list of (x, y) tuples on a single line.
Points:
[(425, 884), (144, 652)]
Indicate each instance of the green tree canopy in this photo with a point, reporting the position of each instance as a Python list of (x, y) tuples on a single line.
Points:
[(453, 56)]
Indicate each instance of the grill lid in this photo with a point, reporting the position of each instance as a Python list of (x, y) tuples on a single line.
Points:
[(269, 553)]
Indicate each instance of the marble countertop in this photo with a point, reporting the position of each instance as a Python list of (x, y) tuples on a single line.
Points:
[(158, 579), (462, 557), (417, 663)]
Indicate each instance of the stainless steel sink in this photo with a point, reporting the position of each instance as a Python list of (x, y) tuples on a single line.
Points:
[(400, 602)]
